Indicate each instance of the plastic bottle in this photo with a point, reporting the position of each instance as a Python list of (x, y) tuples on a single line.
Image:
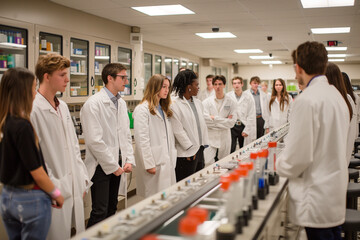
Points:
[(247, 208), (273, 177), (188, 227), (261, 186), (266, 154), (10, 61), (43, 43), (254, 181)]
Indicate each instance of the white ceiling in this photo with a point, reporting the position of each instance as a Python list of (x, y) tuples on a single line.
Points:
[(250, 20)]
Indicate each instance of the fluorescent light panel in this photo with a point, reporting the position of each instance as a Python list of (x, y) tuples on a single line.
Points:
[(261, 57), (337, 60), (336, 48), (248, 51), (330, 30), (163, 10), (216, 35), (336, 55), (326, 3), (271, 62)]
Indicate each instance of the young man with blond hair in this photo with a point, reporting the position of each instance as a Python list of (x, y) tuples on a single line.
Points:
[(59, 145)]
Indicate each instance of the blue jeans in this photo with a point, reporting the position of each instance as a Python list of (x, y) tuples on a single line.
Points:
[(26, 213), (332, 233)]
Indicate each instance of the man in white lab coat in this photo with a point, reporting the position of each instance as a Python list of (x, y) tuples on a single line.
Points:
[(261, 103), (209, 90), (59, 144), (244, 130), (106, 127), (220, 113), (314, 157)]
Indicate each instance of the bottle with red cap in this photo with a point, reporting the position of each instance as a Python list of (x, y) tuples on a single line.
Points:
[(188, 226), (273, 177), (261, 183), (242, 207), (247, 193), (254, 179), (228, 188)]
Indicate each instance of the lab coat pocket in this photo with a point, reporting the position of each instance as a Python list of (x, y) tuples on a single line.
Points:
[(160, 154), (296, 189), (66, 186)]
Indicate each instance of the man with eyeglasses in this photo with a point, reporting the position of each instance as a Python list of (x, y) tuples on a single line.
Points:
[(108, 142)]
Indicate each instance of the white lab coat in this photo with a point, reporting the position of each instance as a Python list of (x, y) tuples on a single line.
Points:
[(352, 133), (60, 147), (264, 103), (277, 117), (357, 103), (106, 130), (219, 127), (154, 148), (185, 128), (204, 94), (246, 114), (314, 156)]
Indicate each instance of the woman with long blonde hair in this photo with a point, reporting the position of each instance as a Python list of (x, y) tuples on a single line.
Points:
[(154, 139), (279, 105), (27, 193)]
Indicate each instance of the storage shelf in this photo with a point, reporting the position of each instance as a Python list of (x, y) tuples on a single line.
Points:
[(46, 52), (13, 46), (78, 73), (78, 56), (102, 57)]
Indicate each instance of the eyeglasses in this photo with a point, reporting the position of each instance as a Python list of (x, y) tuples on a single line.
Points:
[(126, 77)]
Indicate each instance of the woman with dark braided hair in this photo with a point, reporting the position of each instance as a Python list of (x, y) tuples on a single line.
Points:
[(188, 125)]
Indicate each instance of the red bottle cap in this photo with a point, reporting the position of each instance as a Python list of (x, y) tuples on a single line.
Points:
[(149, 237), (200, 213), (253, 155), (250, 165), (225, 182), (188, 225), (234, 176), (243, 172), (272, 144)]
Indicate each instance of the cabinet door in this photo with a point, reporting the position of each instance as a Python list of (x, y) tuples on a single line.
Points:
[(125, 58), (79, 67), (148, 65), (168, 68), (102, 57), (13, 47)]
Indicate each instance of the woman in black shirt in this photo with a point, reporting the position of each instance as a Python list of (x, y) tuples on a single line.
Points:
[(27, 193)]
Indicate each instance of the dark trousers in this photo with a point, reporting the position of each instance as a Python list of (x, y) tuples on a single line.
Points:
[(236, 136), (260, 122), (333, 233), (185, 167), (104, 196)]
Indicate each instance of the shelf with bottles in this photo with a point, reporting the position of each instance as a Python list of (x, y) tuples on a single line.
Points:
[(13, 47), (125, 58), (79, 67), (102, 57), (50, 43)]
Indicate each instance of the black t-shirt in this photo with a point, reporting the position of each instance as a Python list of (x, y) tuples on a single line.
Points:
[(18, 153)]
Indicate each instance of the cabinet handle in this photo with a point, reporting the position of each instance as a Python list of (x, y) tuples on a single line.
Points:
[(92, 81)]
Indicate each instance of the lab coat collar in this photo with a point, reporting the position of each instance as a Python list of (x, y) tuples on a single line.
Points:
[(44, 103), (106, 99)]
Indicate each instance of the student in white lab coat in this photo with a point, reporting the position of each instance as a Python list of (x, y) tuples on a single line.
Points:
[(106, 127), (188, 125), (315, 148), (261, 103), (154, 139), (264, 88), (279, 105), (244, 130), (356, 100), (220, 114), (335, 78), (209, 90), (59, 144)]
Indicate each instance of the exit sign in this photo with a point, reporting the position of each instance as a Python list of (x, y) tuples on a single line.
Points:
[(332, 43)]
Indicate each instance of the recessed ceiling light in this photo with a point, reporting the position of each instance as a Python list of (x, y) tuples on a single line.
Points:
[(248, 51), (328, 3), (271, 62), (261, 57), (330, 30), (336, 48), (163, 10), (336, 60), (336, 55), (216, 35)]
